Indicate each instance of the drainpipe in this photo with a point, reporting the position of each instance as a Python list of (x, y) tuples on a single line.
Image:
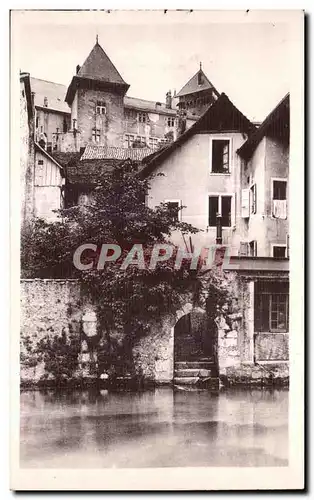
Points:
[(218, 230)]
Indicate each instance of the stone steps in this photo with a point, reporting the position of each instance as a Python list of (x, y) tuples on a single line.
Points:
[(186, 365), (192, 372), (185, 380)]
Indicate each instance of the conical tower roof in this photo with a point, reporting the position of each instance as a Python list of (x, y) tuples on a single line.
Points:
[(197, 83), (98, 67), (97, 70)]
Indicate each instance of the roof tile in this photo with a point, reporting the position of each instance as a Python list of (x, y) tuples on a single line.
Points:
[(98, 66), (193, 86), (112, 153)]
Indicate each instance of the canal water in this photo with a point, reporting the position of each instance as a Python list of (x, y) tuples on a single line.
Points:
[(156, 428)]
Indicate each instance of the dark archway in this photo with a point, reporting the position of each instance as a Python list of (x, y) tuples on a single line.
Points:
[(193, 339)]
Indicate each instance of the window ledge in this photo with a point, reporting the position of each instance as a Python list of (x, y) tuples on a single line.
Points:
[(220, 173), (272, 333)]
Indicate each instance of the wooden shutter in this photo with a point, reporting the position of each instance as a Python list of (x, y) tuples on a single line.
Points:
[(245, 201), (253, 199)]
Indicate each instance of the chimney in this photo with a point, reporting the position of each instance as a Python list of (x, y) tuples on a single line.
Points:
[(168, 99), (46, 102), (78, 67)]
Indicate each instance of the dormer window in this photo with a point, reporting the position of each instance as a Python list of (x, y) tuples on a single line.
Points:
[(199, 78), (101, 108)]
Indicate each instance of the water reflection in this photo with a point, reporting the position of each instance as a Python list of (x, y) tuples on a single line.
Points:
[(157, 428)]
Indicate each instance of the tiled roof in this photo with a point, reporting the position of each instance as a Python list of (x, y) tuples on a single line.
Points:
[(193, 86), (55, 93), (111, 153), (98, 66), (65, 159), (87, 172)]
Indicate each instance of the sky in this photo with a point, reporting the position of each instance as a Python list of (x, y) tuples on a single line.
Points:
[(245, 57)]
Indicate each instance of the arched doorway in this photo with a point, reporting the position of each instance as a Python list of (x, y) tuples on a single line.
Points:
[(192, 337), (193, 348)]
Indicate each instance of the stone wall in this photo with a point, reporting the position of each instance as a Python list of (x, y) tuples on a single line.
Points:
[(27, 158), (48, 306), (110, 124), (153, 355), (57, 306)]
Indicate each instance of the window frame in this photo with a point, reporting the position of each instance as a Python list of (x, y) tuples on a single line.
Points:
[(180, 206), (101, 108), (220, 138), (96, 133), (141, 115), (275, 331), (253, 199), (232, 214), (278, 245), (254, 246), (272, 180), (170, 121)]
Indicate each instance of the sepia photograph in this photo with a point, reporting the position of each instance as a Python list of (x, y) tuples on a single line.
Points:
[(156, 165)]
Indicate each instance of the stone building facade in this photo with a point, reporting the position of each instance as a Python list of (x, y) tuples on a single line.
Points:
[(231, 177), (95, 109)]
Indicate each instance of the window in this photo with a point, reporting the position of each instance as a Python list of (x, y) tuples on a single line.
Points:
[(65, 126), (40, 162), (153, 142), (279, 190), (220, 156), (253, 199), (253, 248), (142, 117), (37, 121), (170, 121), (219, 204), (279, 252), (96, 135), (243, 250), (271, 309), (130, 114), (279, 198), (199, 78), (174, 205), (101, 108), (128, 140)]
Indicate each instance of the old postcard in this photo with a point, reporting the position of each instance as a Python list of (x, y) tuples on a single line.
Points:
[(157, 233)]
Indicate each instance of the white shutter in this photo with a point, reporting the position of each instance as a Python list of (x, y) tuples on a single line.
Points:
[(245, 203)]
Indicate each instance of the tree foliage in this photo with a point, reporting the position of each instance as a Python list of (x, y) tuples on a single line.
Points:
[(128, 300)]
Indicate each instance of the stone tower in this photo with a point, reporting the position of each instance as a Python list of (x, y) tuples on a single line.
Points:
[(95, 96), (197, 94)]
